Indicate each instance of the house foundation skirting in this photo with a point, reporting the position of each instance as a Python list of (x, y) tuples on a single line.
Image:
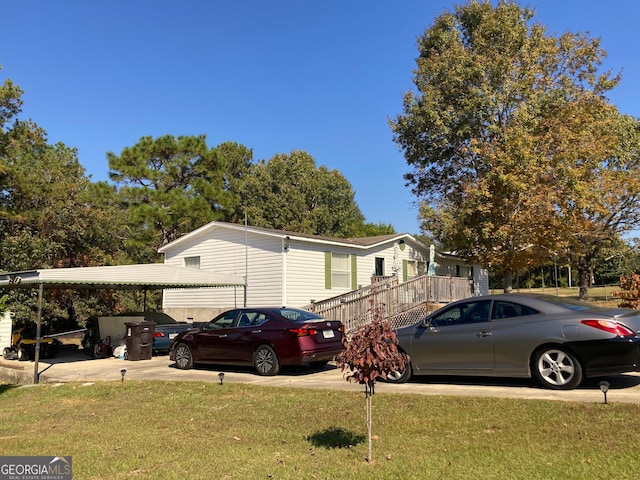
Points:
[(194, 315)]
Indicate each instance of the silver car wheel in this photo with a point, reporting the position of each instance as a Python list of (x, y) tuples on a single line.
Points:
[(400, 376), (557, 369), (184, 359), (265, 361)]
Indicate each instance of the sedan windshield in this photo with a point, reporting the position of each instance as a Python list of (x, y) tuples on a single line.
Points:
[(296, 315)]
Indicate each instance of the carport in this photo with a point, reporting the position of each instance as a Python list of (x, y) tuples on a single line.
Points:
[(154, 276)]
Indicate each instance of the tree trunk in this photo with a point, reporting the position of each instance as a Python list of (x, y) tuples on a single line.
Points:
[(584, 275), (508, 281), (368, 390)]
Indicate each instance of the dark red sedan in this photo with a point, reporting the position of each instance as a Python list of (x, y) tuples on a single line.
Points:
[(263, 337)]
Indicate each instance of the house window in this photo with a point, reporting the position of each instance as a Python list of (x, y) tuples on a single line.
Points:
[(463, 271), (340, 270), (379, 267), (192, 262), (413, 269)]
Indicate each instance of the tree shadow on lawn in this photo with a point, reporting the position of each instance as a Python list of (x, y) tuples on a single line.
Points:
[(285, 370), (335, 438)]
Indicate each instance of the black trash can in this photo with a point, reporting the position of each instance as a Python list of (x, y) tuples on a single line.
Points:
[(140, 340)]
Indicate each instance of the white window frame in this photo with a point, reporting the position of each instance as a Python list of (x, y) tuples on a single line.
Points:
[(412, 269), (340, 270), (192, 262)]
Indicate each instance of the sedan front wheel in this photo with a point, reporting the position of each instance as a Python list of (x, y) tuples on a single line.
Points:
[(557, 368), (184, 359)]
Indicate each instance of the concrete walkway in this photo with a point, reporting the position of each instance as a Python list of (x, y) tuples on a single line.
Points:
[(76, 367)]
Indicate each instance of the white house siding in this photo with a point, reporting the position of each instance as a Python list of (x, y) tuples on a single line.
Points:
[(305, 268), (226, 253), (289, 271), (367, 263), (304, 274)]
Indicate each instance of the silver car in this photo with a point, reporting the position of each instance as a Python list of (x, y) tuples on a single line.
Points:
[(557, 340)]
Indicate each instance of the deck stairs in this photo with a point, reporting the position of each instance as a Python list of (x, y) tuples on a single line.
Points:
[(400, 303)]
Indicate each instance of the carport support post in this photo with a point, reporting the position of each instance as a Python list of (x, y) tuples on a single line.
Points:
[(38, 331)]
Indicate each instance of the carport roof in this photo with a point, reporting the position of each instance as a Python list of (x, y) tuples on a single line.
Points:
[(122, 277)]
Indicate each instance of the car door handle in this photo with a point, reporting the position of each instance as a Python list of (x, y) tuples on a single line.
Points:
[(256, 331), (223, 335), (484, 334)]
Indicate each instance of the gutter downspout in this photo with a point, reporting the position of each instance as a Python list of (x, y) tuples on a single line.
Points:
[(246, 260), (285, 249)]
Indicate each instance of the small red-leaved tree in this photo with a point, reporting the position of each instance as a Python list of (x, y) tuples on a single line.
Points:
[(371, 352), (630, 294)]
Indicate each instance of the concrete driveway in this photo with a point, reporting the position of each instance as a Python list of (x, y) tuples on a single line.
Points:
[(74, 366)]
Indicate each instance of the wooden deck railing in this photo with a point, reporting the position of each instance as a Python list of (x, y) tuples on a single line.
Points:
[(400, 303)]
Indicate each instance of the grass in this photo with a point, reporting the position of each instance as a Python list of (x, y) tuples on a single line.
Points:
[(196, 430), (601, 295)]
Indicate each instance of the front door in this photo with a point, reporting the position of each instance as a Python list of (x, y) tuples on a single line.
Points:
[(379, 267)]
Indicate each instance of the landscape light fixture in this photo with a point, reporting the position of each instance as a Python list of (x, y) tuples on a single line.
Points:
[(604, 387), (221, 377), (122, 372)]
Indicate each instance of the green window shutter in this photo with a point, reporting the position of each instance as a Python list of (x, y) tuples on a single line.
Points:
[(405, 271), (354, 272), (327, 270)]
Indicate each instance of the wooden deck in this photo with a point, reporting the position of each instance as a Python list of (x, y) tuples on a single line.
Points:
[(400, 303)]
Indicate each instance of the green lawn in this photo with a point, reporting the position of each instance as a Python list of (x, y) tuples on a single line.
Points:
[(598, 295), (193, 430)]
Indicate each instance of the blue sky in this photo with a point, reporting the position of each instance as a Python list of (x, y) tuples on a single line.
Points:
[(321, 76)]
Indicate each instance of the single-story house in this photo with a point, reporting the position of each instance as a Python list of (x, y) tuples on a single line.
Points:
[(293, 269)]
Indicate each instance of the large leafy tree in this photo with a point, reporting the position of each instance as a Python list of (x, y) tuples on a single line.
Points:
[(48, 211), (289, 192), (169, 186), (374, 229), (512, 140), (603, 201), (238, 161)]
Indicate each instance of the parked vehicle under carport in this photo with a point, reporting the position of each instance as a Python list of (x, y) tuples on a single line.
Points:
[(23, 345), (105, 334), (167, 328)]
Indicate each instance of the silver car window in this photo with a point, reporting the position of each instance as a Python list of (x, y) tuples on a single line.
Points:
[(509, 310), (463, 313)]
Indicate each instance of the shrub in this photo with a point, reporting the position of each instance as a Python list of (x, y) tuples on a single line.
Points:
[(630, 293)]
